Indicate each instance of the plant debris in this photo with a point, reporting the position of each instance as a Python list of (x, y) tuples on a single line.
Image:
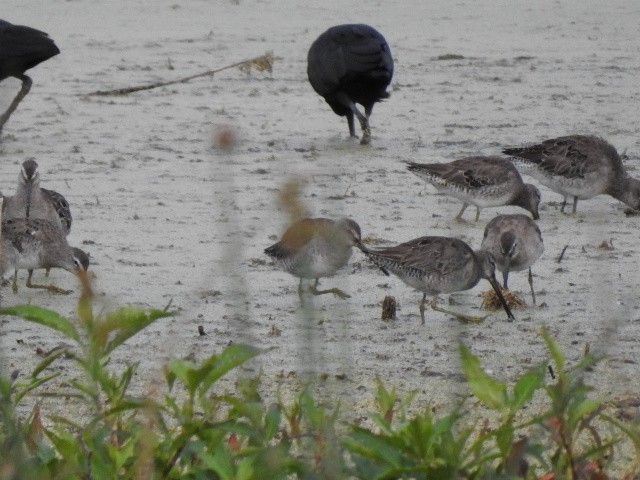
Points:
[(490, 300)]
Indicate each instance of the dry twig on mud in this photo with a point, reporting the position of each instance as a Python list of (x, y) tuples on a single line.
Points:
[(261, 64)]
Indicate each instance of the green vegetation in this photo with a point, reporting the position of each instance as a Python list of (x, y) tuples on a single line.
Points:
[(197, 432)]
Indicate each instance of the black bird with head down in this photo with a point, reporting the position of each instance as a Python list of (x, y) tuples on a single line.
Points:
[(21, 48), (351, 64)]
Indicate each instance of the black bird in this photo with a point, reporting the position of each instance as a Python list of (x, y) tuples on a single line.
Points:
[(351, 64), (21, 48)]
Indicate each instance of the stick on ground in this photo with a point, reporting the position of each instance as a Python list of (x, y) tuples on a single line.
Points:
[(261, 63)]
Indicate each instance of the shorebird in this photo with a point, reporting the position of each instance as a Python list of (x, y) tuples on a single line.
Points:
[(516, 243), (435, 265), (351, 64), (480, 181), (32, 201), (21, 48), (578, 166), (30, 243), (316, 248)]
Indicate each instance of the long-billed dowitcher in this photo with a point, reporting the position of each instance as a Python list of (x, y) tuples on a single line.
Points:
[(32, 201), (30, 243), (578, 166), (516, 243), (351, 64), (435, 265), (316, 248), (480, 181)]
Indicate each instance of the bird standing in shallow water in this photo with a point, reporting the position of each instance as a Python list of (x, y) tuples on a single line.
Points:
[(578, 166), (516, 243), (480, 181), (315, 248), (351, 64), (435, 265), (21, 48), (29, 243)]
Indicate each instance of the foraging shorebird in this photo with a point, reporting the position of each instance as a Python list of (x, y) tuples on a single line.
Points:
[(480, 181), (32, 201), (435, 265), (21, 48), (316, 248), (30, 243), (516, 243), (351, 64), (578, 166)]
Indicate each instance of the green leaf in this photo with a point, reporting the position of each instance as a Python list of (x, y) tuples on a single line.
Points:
[(581, 409), (488, 390), (210, 370), (32, 385), (526, 386), (272, 422), (45, 317), (220, 462), (127, 321), (67, 446), (231, 357), (49, 359), (183, 370), (556, 354), (369, 445)]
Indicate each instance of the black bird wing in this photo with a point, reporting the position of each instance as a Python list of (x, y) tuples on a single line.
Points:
[(22, 48)]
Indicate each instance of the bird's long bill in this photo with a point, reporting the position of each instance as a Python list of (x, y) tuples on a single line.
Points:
[(496, 288), (361, 246), (29, 186), (505, 273), (371, 256)]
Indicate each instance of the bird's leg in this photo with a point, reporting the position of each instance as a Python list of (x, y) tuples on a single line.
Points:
[(367, 111), (51, 288), (300, 291), (364, 124), (352, 125), (477, 213), (575, 204), (459, 316), (26, 86), (533, 294), (46, 272), (345, 101), (366, 130), (336, 291), (367, 114), (564, 204), (14, 284), (464, 207), (424, 298)]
